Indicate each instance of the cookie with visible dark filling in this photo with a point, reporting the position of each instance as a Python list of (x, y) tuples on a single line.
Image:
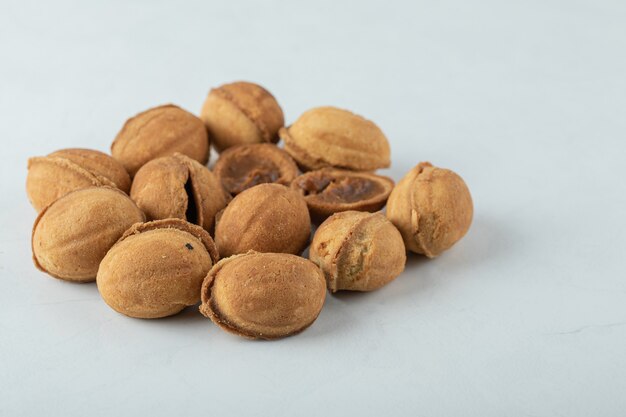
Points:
[(330, 190), (179, 187), (245, 166)]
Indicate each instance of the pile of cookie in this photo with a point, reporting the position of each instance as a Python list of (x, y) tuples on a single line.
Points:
[(159, 231)]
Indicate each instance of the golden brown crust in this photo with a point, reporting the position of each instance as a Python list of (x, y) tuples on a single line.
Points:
[(156, 269), (158, 132), (244, 166), (52, 177), (71, 235), (209, 195), (432, 207), (241, 113), (264, 218), (178, 186), (98, 163), (358, 251), (32, 243), (330, 190), (306, 161), (201, 234), (258, 104), (263, 295), (332, 137), (159, 188)]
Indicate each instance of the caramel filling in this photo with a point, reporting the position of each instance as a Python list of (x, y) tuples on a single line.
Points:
[(344, 189), (248, 172)]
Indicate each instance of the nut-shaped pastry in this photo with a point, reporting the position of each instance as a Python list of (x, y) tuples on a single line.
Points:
[(53, 176), (177, 186), (432, 207), (358, 251), (330, 190), (245, 166), (328, 136), (157, 132), (263, 295), (72, 235), (264, 218), (240, 113), (156, 269)]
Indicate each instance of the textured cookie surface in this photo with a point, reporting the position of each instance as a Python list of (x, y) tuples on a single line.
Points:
[(328, 136), (244, 166), (264, 218), (358, 251), (241, 113), (157, 132), (263, 295), (330, 190), (73, 234), (432, 207), (53, 176), (156, 269), (98, 163), (177, 186)]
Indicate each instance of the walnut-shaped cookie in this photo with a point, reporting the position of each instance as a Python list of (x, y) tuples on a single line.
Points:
[(244, 166), (264, 218), (332, 137), (179, 187), (53, 176), (432, 207), (330, 190), (358, 251), (263, 295), (72, 235), (240, 113), (156, 269), (157, 132)]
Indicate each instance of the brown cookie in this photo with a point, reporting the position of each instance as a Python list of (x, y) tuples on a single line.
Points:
[(263, 295), (332, 137), (358, 251), (330, 190), (245, 166), (177, 186), (264, 218), (53, 176), (241, 113), (157, 132), (432, 207), (156, 269), (72, 235)]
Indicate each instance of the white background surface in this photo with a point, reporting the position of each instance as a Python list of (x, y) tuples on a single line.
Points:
[(525, 99)]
